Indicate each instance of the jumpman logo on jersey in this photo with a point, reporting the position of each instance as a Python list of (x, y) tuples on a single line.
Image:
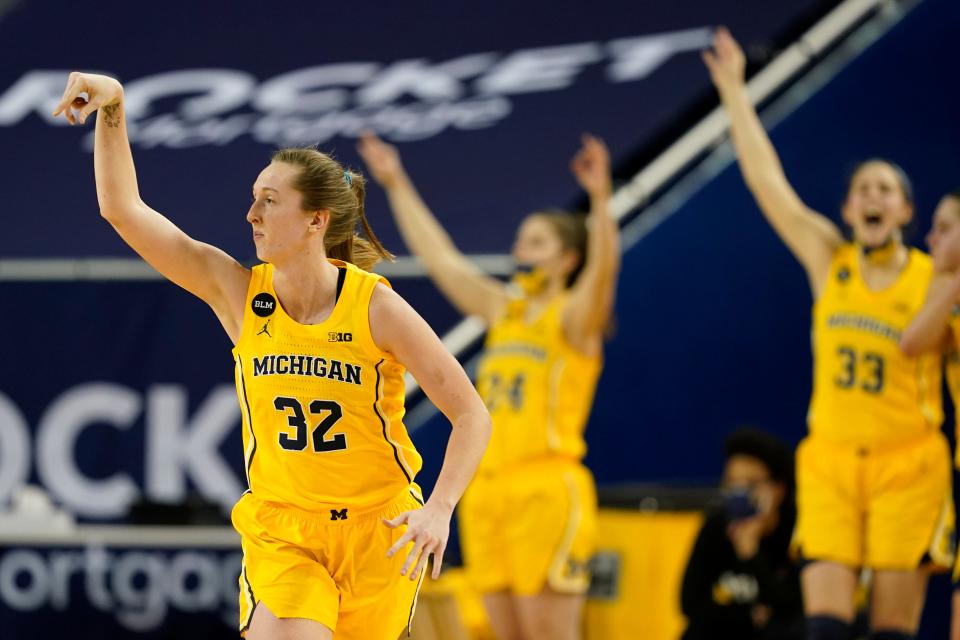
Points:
[(265, 330)]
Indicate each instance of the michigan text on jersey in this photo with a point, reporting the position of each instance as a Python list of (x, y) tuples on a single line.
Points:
[(306, 365), (863, 323)]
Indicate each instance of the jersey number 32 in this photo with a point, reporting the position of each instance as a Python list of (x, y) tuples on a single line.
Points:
[(297, 420)]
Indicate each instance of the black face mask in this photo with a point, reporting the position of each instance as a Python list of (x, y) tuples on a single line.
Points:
[(882, 252), (523, 269), (738, 504)]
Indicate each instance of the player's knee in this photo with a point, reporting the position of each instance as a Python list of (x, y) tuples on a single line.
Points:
[(891, 635), (827, 628), (545, 627), (508, 631), (542, 630), (894, 621)]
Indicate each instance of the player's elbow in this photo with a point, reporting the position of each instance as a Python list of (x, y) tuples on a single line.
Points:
[(480, 423), (113, 215), (115, 210), (484, 425)]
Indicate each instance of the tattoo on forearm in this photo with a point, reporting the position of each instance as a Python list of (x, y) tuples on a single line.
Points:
[(111, 115)]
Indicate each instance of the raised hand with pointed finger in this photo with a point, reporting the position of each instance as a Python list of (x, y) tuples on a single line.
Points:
[(87, 92), (726, 62), (591, 166)]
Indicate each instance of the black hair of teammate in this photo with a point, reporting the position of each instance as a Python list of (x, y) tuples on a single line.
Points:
[(768, 449)]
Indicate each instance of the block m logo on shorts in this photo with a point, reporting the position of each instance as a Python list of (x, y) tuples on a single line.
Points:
[(338, 515)]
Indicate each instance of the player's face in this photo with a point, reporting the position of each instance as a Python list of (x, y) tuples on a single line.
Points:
[(538, 245), (944, 236), (280, 226), (876, 207)]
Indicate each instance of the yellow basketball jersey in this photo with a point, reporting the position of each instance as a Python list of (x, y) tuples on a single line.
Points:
[(322, 405), (953, 374), (537, 388), (865, 391)]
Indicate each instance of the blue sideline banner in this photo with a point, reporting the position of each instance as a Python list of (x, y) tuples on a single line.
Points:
[(112, 593), (115, 393), (487, 100)]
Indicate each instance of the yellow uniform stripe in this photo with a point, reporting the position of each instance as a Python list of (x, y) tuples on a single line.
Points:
[(556, 577), (251, 447)]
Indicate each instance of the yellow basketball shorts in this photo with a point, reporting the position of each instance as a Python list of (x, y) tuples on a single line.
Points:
[(889, 509), (332, 569), (529, 528)]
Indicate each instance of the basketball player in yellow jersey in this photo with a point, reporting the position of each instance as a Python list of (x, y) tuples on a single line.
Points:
[(873, 476), (334, 531), (937, 327), (528, 520)]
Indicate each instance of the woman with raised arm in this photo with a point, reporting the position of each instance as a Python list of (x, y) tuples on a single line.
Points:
[(937, 327), (527, 523), (873, 476), (334, 531)]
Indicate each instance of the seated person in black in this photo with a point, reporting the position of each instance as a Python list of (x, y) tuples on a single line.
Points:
[(740, 582)]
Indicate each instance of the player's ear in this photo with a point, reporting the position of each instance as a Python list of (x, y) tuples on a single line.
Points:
[(571, 259), (320, 221)]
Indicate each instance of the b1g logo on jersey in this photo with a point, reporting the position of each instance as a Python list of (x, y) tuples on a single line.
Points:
[(264, 304), (338, 336)]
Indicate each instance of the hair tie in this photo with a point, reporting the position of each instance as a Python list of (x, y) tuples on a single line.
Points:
[(348, 178)]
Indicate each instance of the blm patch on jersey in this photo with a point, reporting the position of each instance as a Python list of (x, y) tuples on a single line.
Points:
[(264, 304)]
